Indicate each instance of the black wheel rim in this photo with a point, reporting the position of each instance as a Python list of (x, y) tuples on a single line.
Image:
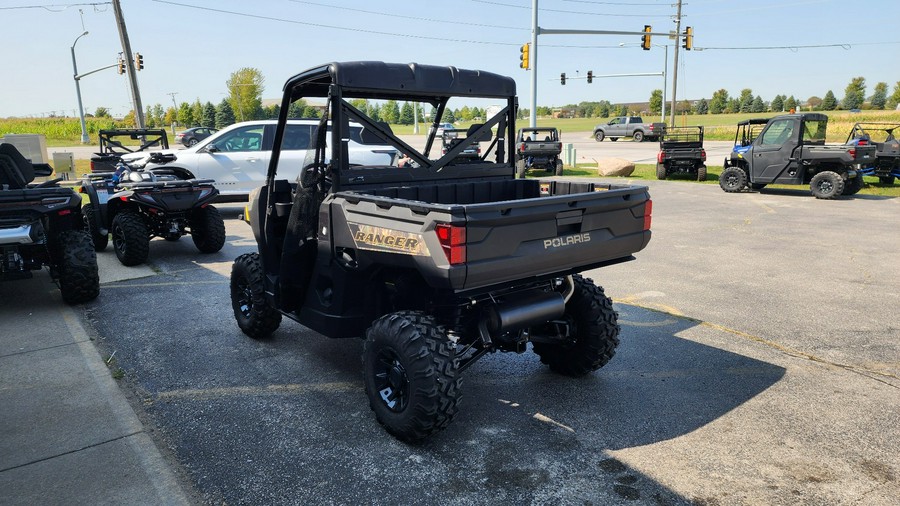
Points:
[(825, 186), (391, 381), (244, 298), (119, 240), (731, 180)]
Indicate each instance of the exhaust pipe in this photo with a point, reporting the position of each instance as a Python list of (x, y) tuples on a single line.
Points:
[(524, 310), (16, 235)]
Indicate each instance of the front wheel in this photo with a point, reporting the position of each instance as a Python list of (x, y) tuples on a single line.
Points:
[(411, 375), (826, 185), (79, 278), (559, 168), (255, 316), (599, 136), (99, 240), (207, 229), (638, 136), (733, 179), (660, 171), (131, 238), (593, 323)]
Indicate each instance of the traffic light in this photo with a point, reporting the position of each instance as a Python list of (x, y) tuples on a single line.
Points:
[(645, 39), (139, 61), (590, 76), (121, 68), (562, 79), (525, 49), (688, 42)]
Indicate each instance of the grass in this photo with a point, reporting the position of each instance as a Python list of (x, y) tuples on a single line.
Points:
[(647, 172)]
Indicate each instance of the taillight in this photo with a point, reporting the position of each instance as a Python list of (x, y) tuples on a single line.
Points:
[(453, 242), (661, 157), (703, 154), (852, 152), (92, 166), (522, 147), (861, 142), (648, 211)]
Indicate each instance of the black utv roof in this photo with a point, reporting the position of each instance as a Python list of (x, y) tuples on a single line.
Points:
[(375, 79)]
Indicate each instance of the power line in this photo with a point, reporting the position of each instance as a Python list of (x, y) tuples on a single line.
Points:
[(50, 7), (611, 3), (576, 12), (846, 46), (395, 16)]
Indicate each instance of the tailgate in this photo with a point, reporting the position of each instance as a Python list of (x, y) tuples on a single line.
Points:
[(515, 240)]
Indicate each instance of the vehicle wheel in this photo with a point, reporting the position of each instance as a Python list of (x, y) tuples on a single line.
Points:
[(100, 241), (594, 324), (886, 180), (254, 315), (733, 179), (826, 185), (559, 168), (520, 169), (613, 139), (660, 171), (79, 278), (757, 186), (598, 136), (701, 173), (192, 142), (411, 375), (853, 186), (131, 238), (638, 136), (207, 229)]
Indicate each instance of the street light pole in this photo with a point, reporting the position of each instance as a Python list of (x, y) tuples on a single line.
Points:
[(84, 135), (665, 71)]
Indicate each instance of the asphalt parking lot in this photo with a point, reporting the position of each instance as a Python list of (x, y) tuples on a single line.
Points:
[(759, 364)]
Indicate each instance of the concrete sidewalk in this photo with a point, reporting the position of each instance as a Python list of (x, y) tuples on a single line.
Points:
[(67, 433)]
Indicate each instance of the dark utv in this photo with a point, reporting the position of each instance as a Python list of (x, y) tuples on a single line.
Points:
[(137, 204), (435, 262), (681, 150), (791, 150), (41, 225), (538, 148), (886, 165), (112, 145)]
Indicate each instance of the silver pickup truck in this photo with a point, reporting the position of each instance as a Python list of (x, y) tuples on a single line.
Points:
[(628, 126)]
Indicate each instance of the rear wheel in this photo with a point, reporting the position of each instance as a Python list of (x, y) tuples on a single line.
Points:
[(131, 238), (559, 168), (660, 171), (733, 179), (886, 179), (192, 142), (599, 136), (411, 375), (255, 316), (826, 185), (638, 136), (594, 325), (701, 173), (99, 240), (613, 139), (79, 279), (207, 229), (853, 186)]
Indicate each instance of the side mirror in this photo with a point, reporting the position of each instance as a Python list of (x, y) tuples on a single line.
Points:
[(211, 148)]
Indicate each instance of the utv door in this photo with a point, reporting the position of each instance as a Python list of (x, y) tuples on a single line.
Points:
[(771, 153)]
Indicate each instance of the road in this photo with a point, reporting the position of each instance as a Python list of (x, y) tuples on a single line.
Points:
[(759, 364)]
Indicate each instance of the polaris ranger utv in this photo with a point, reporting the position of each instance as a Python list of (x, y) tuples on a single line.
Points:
[(435, 262), (41, 225), (886, 165), (791, 150)]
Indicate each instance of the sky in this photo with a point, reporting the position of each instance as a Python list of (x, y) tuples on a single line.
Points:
[(191, 47)]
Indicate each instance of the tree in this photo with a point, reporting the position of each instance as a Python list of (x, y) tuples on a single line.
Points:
[(185, 115), (758, 105), (102, 112), (790, 104), (702, 107), (829, 103), (623, 110), (894, 100), (159, 114), (271, 111), (196, 113), (719, 102), (465, 113), (245, 88), (297, 109), (449, 117), (815, 103), (777, 103), (224, 114), (734, 105), (406, 114), (208, 118), (656, 101), (879, 96), (603, 110), (148, 117), (390, 112), (746, 100), (171, 115), (373, 111), (855, 93)]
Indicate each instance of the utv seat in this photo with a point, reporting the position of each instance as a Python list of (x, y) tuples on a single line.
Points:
[(15, 170)]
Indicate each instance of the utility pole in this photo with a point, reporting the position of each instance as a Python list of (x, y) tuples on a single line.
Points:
[(532, 53), (129, 61), (675, 66)]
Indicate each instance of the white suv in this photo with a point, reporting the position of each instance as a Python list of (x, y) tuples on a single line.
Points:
[(237, 157)]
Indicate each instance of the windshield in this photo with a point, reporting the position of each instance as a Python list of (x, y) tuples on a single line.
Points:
[(814, 131)]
